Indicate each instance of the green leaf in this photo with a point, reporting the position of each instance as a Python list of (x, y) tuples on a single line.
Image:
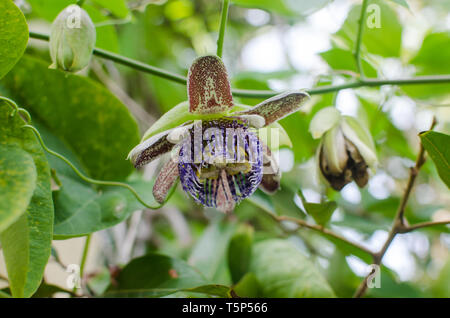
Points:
[(240, 251), (209, 253), (27, 242), (392, 287), (340, 276), (321, 212), (403, 3), (80, 210), (213, 290), (17, 183), (340, 59), (49, 290), (285, 7), (434, 54), (441, 286), (86, 116), (436, 144), (106, 33), (432, 59), (117, 7), (156, 275), (248, 287), (49, 9), (13, 35), (384, 40), (283, 271), (4, 294)]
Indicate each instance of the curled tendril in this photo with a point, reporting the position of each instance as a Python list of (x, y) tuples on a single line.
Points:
[(87, 179), (17, 109)]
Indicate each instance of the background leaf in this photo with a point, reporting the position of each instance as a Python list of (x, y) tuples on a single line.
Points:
[(240, 252), (384, 41), (117, 7), (321, 212), (431, 59), (436, 145), (283, 271), (97, 126), (156, 275), (209, 254)]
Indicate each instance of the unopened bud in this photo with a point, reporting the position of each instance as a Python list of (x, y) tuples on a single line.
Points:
[(346, 151), (72, 39)]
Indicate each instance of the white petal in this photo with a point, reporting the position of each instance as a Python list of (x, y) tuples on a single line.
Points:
[(335, 151), (324, 120)]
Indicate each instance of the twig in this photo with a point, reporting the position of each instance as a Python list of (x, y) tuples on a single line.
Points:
[(83, 258), (424, 224), (261, 93), (359, 37), (399, 224), (323, 230)]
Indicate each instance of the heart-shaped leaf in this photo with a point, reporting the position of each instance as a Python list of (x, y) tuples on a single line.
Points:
[(27, 242), (13, 35)]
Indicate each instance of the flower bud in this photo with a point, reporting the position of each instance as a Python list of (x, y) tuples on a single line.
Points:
[(346, 151), (72, 39)]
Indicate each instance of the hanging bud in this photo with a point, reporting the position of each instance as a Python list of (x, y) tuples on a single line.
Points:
[(72, 39), (346, 151)]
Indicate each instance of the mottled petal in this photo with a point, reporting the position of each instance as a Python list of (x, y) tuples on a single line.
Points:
[(150, 149), (165, 180), (208, 86), (278, 107), (224, 197), (324, 120), (253, 120)]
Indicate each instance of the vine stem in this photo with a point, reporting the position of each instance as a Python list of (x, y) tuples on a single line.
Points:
[(260, 93), (84, 257), (359, 37), (87, 179), (223, 25)]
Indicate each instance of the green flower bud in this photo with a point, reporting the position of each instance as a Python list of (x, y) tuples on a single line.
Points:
[(346, 151), (72, 39)]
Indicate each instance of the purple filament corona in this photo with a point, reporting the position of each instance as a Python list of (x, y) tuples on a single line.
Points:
[(217, 146)]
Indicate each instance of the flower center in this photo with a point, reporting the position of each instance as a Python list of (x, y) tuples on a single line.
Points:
[(220, 162)]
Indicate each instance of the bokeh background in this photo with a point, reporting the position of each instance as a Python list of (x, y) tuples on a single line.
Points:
[(280, 45)]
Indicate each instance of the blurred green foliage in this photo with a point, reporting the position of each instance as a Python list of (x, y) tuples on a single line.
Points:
[(186, 250)]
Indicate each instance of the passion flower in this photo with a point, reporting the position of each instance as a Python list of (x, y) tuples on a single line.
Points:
[(217, 150), (72, 39), (346, 151)]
